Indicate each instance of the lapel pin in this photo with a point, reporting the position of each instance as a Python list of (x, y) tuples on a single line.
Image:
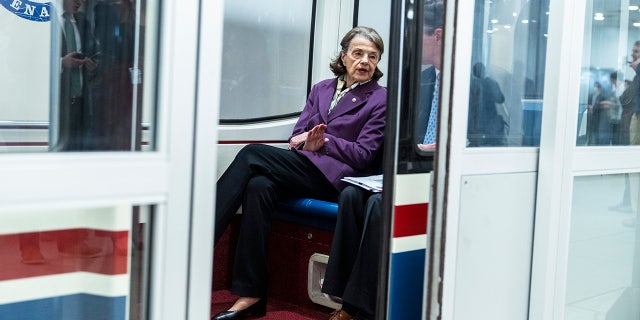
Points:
[(353, 100)]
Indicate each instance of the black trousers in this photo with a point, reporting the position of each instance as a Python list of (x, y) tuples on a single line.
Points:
[(257, 178), (73, 123), (353, 261)]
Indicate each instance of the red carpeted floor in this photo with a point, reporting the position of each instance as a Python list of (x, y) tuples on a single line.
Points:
[(276, 310)]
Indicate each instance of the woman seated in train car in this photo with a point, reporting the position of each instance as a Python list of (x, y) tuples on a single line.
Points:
[(356, 241), (338, 134)]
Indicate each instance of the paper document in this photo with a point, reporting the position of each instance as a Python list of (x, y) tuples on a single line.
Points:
[(371, 183)]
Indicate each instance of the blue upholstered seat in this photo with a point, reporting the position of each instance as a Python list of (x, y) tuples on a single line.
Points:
[(309, 212)]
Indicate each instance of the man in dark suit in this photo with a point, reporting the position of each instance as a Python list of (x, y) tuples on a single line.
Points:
[(71, 122), (74, 117), (113, 86), (486, 127), (634, 136), (425, 132), (76, 68), (356, 243)]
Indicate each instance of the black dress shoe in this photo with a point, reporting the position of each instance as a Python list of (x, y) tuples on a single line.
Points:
[(258, 309)]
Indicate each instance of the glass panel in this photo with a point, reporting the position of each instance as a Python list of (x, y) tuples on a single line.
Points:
[(259, 57), (72, 84), (507, 80), (603, 271), (609, 85), (75, 264)]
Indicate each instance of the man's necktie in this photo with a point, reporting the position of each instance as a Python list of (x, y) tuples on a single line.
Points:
[(70, 37), (430, 136)]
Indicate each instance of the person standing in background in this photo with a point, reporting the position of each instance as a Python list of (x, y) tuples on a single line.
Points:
[(592, 123), (634, 135), (634, 123), (628, 103), (77, 66), (606, 109), (486, 125), (113, 88), (615, 110)]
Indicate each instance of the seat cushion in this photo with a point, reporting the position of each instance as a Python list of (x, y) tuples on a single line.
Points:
[(309, 212)]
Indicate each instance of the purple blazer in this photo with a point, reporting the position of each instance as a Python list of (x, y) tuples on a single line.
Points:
[(355, 129)]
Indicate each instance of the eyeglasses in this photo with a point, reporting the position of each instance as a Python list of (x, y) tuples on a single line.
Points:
[(360, 54)]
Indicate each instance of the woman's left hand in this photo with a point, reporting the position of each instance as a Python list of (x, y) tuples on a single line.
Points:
[(315, 138), (294, 142)]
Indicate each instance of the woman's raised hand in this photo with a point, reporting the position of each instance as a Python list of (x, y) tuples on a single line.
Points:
[(315, 138)]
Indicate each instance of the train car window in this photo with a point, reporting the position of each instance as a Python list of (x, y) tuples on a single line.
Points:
[(507, 78), (608, 114), (266, 55), (72, 77)]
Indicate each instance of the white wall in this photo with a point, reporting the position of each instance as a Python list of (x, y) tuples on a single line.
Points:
[(494, 246)]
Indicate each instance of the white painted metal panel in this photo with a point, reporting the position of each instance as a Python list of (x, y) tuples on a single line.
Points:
[(495, 239)]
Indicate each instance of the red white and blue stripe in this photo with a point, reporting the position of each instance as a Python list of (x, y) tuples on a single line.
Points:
[(65, 287), (408, 246)]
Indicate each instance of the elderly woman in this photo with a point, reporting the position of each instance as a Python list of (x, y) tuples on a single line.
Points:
[(352, 274), (338, 134)]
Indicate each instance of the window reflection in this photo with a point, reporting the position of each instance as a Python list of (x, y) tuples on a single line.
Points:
[(99, 90), (488, 116), (81, 91), (507, 80), (603, 268), (609, 85)]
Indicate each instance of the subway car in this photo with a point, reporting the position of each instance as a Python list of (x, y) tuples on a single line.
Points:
[(525, 207)]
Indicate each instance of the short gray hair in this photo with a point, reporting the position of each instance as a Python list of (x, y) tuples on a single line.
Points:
[(337, 67)]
